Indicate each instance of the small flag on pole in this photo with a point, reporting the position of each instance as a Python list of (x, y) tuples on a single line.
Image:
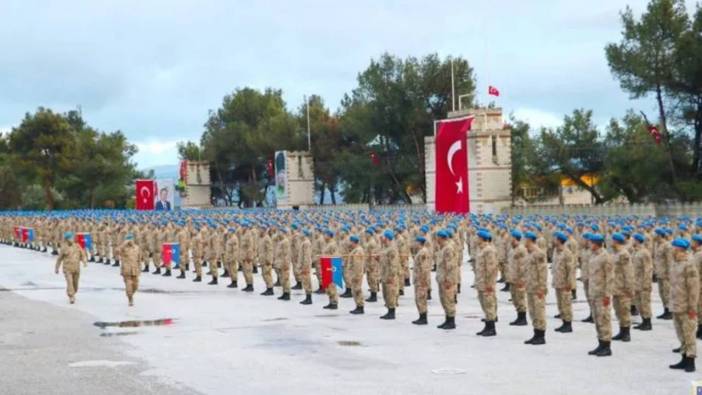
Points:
[(170, 255), (332, 271), (655, 133), (492, 91), (85, 241)]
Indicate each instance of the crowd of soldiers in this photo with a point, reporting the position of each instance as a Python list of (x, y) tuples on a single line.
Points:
[(618, 260)]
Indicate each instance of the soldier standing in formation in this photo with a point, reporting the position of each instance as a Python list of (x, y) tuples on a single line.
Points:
[(355, 268), (389, 274), (422, 279), (306, 266), (623, 286), (516, 274), (684, 296), (600, 287), (486, 268), (643, 273), (536, 288), (563, 277)]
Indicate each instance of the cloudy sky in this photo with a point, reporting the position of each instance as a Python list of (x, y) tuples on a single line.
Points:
[(154, 68)]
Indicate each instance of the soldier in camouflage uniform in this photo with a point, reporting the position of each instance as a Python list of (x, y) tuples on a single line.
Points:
[(563, 277), (684, 297), (643, 273), (600, 288), (70, 257), (422, 279), (486, 270), (536, 288), (355, 269)]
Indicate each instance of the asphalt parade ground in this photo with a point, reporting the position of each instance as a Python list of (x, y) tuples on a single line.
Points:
[(184, 337)]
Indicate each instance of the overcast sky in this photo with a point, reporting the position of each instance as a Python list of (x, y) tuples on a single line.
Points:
[(154, 68)]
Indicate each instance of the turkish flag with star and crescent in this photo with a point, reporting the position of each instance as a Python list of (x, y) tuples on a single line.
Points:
[(452, 166), (145, 194)]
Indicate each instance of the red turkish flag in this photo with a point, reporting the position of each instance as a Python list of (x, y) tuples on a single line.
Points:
[(145, 193), (655, 133), (492, 91), (452, 166)]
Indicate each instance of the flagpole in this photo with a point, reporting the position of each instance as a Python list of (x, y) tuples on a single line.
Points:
[(453, 90), (309, 138)]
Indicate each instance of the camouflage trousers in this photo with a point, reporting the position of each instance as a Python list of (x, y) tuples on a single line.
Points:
[(642, 301), (518, 298), (404, 261), (333, 295), (622, 309), (603, 319), (131, 284), (297, 269), (267, 273), (157, 258), (565, 304), (685, 329), (72, 280), (488, 303), (373, 275), (537, 311), (306, 276), (357, 290), (233, 268), (420, 297), (285, 277), (664, 290), (447, 295), (214, 270), (390, 293), (247, 267)]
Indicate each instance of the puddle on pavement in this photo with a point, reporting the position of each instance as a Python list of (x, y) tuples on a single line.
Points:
[(113, 334), (349, 343), (275, 319), (473, 316), (28, 284), (135, 323), (327, 315)]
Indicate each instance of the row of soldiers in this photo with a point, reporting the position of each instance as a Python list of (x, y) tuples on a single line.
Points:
[(617, 265)]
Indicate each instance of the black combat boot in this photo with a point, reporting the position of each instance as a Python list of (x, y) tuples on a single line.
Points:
[(390, 315), (490, 329), (429, 295), (681, 364), (588, 319), (565, 328), (255, 269), (485, 328), (699, 332), (167, 273), (605, 351), (226, 273), (116, 264), (596, 350), (357, 310), (690, 367), (422, 320), (521, 319), (267, 292), (407, 282), (197, 279), (667, 315), (157, 271), (249, 288), (181, 275), (331, 306), (298, 285), (531, 341), (284, 296), (204, 263), (450, 323), (308, 299), (401, 292), (219, 264), (540, 338), (92, 259), (501, 280), (213, 281), (232, 285), (634, 310), (623, 334), (373, 297), (645, 325), (505, 288), (346, 294), (144, 270)]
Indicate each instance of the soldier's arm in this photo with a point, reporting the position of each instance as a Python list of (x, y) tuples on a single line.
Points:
[(59, 259), (84, 257), (693, 288)]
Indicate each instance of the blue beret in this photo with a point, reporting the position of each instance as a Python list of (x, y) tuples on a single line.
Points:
[(516, 234), (370, 231), (68, 235), (639, 237), (597, 238), (595, 228), (561, 236), (660, 232), (424, 229), (329, 232), (442, 234), (587, 235), (530, 235), (681, 243), (388, 234), (697, 238), (484, 234), (619, 238), (421, 239), (306, 232), (682, 227), (354, 239)]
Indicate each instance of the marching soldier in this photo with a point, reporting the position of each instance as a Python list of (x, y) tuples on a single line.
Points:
[(131, 255), (389, 274), (70, 256), (684, 296), (516, 275), (422, 279), (356, 270), (536, 288), (563, 275), (643, 273), (600, 287), (486, 269)]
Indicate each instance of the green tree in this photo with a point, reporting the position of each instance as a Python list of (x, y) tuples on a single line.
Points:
[(189, 150), (574, 150)]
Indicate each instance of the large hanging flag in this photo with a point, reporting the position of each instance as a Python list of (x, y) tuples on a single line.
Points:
[(170, 255), (85, 241), (332, 271), (145, 194), (452, 166)]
